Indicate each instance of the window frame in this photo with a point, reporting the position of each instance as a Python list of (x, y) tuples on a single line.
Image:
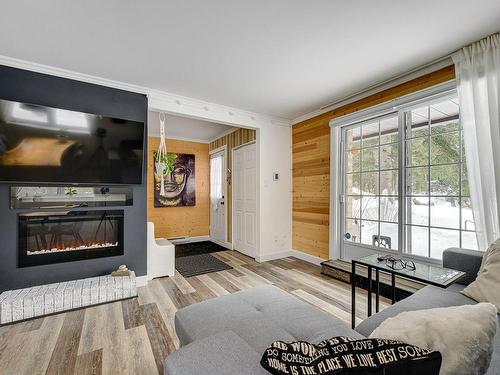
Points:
[(426, 98)]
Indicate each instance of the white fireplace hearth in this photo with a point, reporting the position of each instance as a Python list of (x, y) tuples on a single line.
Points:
[(21, 304)]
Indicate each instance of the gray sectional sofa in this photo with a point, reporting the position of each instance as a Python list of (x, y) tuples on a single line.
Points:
[(227, 335)]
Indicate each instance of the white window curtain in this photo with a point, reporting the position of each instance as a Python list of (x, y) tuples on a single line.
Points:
[(478, 80), (216, 178)]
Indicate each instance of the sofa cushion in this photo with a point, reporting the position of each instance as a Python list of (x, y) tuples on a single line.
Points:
[(495, 359), (224, 354), (485, 287), (260, 316), (493, 248), (463, 335), (426, 298)]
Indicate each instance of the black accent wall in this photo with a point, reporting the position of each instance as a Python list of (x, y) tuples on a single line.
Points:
[(35, 88)]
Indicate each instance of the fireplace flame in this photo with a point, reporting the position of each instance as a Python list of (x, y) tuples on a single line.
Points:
[(63, 247)]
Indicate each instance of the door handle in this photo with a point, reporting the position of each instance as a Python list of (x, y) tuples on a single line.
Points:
[(222, 203)]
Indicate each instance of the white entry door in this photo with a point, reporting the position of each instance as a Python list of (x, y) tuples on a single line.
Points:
[(217, 196), (245, 199)]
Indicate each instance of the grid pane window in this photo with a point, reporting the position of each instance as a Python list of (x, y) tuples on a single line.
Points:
[(419, 237), (389, 156), (389, 182), (419, 121), (418, 181), (352, 227), (419, 209), (371, 204), (437, 196), (429, 210), (369, 230), (370, 159)]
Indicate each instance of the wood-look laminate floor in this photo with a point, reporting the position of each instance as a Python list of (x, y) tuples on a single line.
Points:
[(135, 335)]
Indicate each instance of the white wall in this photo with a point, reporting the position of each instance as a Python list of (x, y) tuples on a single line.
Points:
[(274, 155)]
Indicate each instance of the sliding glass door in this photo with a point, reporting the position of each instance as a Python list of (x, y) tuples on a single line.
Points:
[(438, 209), (404, 185), (372, 182)]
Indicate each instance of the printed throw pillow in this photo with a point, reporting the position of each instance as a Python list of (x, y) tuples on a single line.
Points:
[(343, 355)]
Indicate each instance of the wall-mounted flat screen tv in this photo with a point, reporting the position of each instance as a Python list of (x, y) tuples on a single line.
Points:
[(51, 145)]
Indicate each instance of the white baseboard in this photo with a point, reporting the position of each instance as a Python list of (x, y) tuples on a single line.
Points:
[(273, 256), (291, 253), (306, 257), (180, 240), (227, 245)]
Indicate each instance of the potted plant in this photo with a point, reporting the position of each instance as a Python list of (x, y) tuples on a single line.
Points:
[(164, 164), (70, 191)]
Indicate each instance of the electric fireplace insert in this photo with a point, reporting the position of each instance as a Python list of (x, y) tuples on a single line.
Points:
[(65, 236)]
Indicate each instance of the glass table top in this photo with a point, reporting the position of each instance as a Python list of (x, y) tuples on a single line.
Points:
[(425, 272)]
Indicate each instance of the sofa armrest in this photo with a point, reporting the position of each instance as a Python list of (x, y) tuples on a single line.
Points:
[(465, 260)]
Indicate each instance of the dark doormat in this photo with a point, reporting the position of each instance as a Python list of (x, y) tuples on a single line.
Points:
[(193, 265), (193, 248)]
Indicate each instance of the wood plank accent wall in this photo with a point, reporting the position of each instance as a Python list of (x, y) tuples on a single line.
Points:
[(234, 139), (182, 221), (311, 164)]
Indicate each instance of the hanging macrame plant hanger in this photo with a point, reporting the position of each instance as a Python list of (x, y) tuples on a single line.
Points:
[(161, 155)]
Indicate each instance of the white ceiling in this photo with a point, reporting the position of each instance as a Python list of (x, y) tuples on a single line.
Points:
[(277, 57), (186, 128)]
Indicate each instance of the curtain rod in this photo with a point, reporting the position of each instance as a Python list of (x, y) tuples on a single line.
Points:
[(387, 81)]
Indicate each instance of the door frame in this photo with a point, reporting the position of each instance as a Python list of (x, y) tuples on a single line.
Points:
[(225, 243), (257, 234)]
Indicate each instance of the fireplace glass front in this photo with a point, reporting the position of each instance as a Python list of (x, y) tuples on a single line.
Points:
[(65, 236)]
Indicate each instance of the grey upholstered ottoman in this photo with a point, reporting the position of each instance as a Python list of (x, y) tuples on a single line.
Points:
[(259, 316), (224, 353), (228, 335)]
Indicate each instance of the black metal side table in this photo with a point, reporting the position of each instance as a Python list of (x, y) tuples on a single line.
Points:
[(425, 273)]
